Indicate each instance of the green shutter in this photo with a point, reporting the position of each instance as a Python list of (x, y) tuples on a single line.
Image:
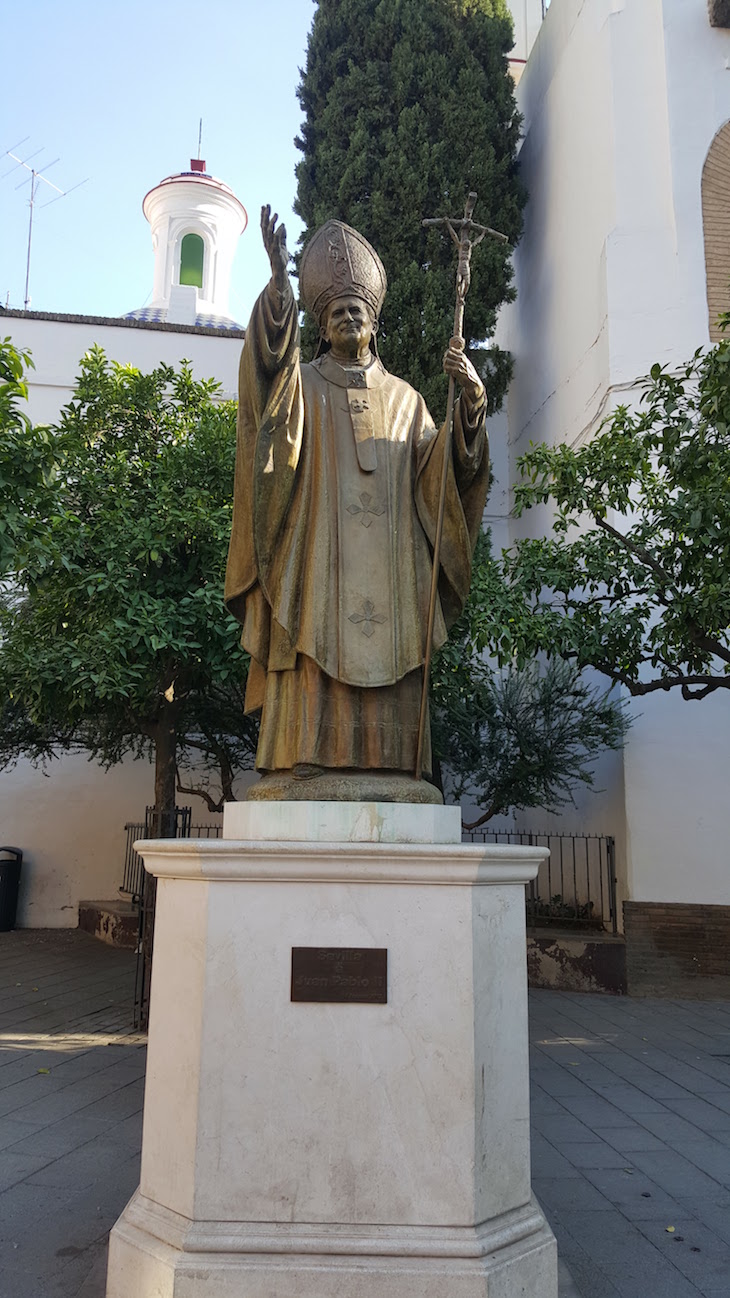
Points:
[(192, 251)]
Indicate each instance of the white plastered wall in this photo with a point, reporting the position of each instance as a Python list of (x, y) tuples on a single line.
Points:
[(621, 100), (526, 17), (69, 825), (57, 347)]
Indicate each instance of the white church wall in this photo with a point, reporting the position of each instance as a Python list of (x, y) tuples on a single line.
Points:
[(527, 15), (675, 767), (621, 102), (677, 68), (70, 826), (497, 512), (57, 345), (679, 752), (556, 329), (698, 82)]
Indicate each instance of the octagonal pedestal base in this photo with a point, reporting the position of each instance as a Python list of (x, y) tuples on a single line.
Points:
[(299, 1148), (153, 1252)]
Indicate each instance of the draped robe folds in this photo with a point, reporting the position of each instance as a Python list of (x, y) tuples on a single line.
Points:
[(329, 569)]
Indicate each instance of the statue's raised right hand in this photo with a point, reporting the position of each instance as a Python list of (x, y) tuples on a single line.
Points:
[(275, 245)]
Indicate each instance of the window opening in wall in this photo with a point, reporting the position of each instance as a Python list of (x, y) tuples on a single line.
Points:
[(192, 251), (719, 13)]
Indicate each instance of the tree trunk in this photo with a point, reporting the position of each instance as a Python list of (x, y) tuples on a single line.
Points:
[(163, 826), (436, 773), (482, 819), (165, 772)]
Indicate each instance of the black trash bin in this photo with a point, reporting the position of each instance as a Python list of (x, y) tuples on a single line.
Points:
[(9, 884)]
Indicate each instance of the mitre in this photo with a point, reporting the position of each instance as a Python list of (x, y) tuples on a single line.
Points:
[(339, 262)]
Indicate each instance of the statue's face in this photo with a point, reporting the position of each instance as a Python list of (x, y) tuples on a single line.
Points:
[(348, 327)]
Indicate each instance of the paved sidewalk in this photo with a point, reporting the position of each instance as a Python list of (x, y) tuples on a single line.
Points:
[(71, 1088), (631, 1113), (631, 1141)]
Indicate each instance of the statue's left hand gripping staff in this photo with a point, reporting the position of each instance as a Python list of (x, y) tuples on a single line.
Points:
[(469, 235)]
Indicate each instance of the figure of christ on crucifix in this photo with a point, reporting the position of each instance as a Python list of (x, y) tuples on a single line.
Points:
[(339, 472)]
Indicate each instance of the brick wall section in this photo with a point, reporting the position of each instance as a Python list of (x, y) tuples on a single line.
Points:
[(677, 950)]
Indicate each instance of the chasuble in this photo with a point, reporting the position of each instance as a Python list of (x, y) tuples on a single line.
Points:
[(336, 497)]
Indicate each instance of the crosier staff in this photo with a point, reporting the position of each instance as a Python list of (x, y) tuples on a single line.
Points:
[(469, 235)]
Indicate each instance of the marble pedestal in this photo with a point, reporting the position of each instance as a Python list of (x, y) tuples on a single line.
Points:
[(306, 1150)]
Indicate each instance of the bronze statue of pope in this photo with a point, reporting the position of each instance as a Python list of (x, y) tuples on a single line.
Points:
[(336, 493)]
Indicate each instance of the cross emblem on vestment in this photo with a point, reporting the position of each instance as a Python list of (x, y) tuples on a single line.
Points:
[(368, 618), (366, 508)]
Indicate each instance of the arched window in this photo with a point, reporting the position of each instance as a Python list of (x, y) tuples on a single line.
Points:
[(192, 252), (716, 223)]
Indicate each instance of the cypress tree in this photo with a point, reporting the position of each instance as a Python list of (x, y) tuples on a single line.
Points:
[(408, 105)]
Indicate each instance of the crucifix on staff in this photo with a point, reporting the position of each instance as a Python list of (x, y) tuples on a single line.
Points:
[(342, 605), (466, 235)]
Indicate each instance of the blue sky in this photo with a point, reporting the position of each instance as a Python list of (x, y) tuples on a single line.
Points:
[(116, 92)]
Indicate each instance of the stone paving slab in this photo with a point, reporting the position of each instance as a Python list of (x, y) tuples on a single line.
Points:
[(630, 1112), (71, 1086), (649, 1211)]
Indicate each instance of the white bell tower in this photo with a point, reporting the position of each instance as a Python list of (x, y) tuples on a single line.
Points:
[(196, 221)]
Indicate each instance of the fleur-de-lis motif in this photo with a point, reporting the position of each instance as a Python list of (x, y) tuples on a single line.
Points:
[(367, 509), (368, 619)]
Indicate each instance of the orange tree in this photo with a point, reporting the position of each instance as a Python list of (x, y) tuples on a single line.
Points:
[(635, 578), (113, 635)]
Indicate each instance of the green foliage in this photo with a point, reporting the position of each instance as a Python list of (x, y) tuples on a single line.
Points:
[(642, 590), (408, 105), (26, 461), (113, 634), (522, 737)]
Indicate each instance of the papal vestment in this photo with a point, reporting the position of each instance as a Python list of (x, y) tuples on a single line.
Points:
[(329, 570)]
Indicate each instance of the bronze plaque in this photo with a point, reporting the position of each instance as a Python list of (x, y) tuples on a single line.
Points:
[(350, 974)]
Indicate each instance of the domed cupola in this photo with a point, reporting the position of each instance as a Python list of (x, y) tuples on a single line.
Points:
[(196, 221)]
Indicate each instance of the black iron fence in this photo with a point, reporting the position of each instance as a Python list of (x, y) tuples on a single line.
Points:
[(142, 888), (575, 887), (133, 879)]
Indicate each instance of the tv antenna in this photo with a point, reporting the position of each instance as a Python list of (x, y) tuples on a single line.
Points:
[(35, 180)]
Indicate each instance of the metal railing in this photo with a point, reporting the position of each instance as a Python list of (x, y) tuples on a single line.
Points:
[(575, 887), (131, 885), (133, 878), (143, 890)]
